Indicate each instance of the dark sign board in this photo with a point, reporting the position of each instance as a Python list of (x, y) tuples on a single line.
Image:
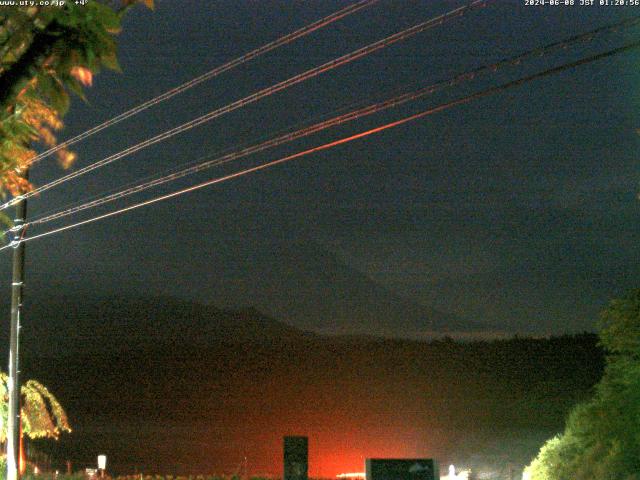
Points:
[(402, 469), (296, 458)]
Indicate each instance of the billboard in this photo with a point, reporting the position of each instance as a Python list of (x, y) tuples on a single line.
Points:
[(296, 458), (401, 469)]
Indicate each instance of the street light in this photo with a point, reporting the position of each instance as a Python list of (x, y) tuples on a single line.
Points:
[(102, 464)]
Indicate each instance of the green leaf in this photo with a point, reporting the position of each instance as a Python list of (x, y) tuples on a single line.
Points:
[(110, 61), (108, 18), (75, 86), (5, 220), (147, 3), (61, 101)]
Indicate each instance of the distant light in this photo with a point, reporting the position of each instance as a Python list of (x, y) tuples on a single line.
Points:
[(102, 462), (352, 475), (36, 470), (463, 475)]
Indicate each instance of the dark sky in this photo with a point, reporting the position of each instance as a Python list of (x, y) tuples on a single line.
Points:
[(514, 213)]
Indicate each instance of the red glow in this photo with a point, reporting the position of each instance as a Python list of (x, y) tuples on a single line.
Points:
[(336, 453)]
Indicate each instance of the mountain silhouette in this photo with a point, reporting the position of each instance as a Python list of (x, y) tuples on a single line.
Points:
[(79, 325), (333, 297)]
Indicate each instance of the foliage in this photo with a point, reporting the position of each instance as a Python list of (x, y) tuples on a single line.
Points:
[(30, 474), (45, 53), (602, 436), (41, 413)]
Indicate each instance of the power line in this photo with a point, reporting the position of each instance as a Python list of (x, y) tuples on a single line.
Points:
[(234, 155), (356, 54), (355, 7), (337, 120), (240, 145), (326, 146)]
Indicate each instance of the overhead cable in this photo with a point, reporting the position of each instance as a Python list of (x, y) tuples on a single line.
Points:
[(350, 9), (361, 52), (326, 146), (337, 120)]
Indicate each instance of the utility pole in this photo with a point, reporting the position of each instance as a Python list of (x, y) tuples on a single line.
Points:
[(13, 423)]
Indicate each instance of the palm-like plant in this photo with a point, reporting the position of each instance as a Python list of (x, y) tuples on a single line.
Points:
[(41, 413)]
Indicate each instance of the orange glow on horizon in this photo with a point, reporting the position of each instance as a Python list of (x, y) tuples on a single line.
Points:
[(333, 453)]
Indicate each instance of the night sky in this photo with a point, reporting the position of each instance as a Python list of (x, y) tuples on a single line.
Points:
[(516, 213)]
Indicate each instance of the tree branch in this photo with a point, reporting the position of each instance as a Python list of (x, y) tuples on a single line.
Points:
[(16, 77)]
